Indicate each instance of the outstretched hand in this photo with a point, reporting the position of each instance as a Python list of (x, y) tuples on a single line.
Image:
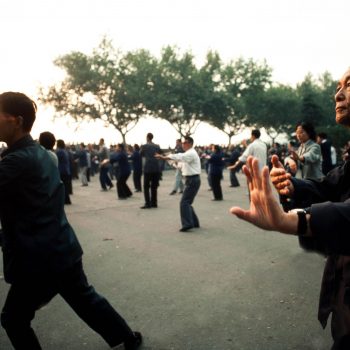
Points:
[(265, 211)]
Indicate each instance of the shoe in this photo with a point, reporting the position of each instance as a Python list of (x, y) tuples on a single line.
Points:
[(172, 192), (217, 199), (110, 186), (181, 192), (133, 343), (137, 190), (186, 228), (104, 190), (146, 206), (196, 226), (154, 206)]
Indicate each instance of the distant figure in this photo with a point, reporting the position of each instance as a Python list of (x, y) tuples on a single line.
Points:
[(256, 148), (42, 255), (178, 185), (48, 141), (216, 167), (326, 151), (103, 154), (64, 169), (82, 157), (137, 167), (308, 156), (121, 157), (191, 169), (151, 172), (232, 160)]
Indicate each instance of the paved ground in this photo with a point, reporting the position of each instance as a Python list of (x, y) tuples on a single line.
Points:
[(224, 286)]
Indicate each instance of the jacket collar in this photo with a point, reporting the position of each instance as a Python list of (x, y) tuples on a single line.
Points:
[(25, 141)]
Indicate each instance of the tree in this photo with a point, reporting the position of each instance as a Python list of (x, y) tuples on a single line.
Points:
[(178, 91), (103, 86), (276, 110), (240, 82)]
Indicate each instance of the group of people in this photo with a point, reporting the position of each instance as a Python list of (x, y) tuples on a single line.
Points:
[(43, 257)]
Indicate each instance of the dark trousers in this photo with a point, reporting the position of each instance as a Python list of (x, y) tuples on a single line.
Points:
[(150, 186), (233, 178), (137, 180), (216, 186), (188, 215), (26, 297), (123, 189), (67, 183), (104, 177)]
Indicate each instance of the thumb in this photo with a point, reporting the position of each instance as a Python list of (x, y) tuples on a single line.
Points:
[(275, 162)]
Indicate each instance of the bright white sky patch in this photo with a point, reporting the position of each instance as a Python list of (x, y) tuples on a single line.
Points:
[(295, 37)]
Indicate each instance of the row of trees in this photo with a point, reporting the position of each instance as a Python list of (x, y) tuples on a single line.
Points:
[(121, 88)]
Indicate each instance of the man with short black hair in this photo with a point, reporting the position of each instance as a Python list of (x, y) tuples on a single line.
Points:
[(256, 148), (191, 169), (41, 253), (151, 173)]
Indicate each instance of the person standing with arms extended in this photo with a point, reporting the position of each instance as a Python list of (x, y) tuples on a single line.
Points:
[(151, 173), (41, 253), (191, 169), (308, 156), (320, 218)]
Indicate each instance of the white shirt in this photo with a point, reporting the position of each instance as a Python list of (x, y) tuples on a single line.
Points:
[(257, 149), (190, 162)]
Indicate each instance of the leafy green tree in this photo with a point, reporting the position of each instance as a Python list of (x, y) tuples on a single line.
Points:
[(178, 91), (105, 85), (241, 81), (276, 110)]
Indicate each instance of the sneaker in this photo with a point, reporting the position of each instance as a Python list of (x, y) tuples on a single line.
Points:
[(172, 192)]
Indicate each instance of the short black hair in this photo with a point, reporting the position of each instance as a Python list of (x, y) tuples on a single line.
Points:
[(149, 136), (189, 139), (19, 105), (322, 135), (47, 139), (309, 129), (256, 133), (60, 144)]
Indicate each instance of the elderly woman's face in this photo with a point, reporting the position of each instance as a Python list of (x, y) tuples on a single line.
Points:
[(342, 100), (301, 134)]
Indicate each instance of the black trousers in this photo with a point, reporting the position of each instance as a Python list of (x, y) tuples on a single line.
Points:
[(233, 178), (216, 186), (137, 180), (188, 215), (123, 189), (150, 186), (26, 297)]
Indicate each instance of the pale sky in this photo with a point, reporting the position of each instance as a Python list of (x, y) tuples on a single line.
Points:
[(295, 37)]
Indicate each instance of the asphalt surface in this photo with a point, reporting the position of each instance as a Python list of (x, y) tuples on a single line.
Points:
[(227, 285)]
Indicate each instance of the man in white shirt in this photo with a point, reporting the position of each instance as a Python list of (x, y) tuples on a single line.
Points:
[(191, 169), (256, 148)]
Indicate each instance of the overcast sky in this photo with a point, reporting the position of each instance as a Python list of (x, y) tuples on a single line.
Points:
[(295, 37)]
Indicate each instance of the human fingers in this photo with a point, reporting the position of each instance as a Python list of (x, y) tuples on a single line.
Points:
[(247, 173), (276, 162), (240, 213), (257, 179)]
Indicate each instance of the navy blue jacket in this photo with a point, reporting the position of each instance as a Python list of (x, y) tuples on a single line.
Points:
[(38, 239)]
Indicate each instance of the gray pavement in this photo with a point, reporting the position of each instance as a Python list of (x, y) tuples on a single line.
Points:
[(227, 285)]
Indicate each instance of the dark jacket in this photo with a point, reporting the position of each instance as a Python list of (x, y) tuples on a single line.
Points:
[(148, 151), (216, 164), (123, 163), (38, 239), (136, 161), (330, 225)]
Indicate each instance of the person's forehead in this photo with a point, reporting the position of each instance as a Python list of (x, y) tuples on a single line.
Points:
[(346, 76)]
